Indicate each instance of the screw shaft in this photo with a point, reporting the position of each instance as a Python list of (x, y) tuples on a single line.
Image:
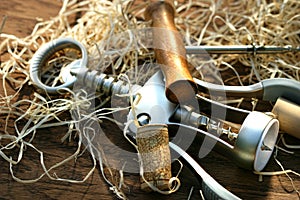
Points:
[(101, 82)]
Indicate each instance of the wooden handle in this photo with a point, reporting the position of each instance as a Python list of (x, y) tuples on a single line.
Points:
[(170, 52), (288, 116)]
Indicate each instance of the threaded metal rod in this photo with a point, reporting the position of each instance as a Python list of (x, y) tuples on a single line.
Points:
[(101, 82), (186, 115), (240, 49)]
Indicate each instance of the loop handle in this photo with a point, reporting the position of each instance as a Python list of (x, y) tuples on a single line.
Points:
[(42, 56)]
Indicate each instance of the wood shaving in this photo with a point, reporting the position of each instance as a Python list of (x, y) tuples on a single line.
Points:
[(100, 30)]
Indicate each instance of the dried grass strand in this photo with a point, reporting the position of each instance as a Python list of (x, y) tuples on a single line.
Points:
[(210, 22)]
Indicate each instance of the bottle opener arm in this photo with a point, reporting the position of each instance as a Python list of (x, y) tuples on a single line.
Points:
[(266, 90)]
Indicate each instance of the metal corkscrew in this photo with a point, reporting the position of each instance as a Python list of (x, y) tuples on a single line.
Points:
[(170, 90), (253, 144)]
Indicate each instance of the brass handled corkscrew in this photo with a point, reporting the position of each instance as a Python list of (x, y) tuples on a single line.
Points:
[(253, 142), (172, 88)]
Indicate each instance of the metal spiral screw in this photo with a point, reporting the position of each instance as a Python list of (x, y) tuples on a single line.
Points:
[(186, 115), (220, 130), (100, 82)]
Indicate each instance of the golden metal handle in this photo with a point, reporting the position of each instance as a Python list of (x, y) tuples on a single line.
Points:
[(170, 52)]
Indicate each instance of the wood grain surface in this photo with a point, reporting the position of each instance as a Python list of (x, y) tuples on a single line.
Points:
[(22, 16)]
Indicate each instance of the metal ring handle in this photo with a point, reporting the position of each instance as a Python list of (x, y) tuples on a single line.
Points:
[(44, 54)]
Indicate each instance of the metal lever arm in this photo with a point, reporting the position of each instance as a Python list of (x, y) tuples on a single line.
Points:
[(170, 52), (267, 90)]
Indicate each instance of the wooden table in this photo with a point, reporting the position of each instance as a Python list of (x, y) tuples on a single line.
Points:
[(20, 22)]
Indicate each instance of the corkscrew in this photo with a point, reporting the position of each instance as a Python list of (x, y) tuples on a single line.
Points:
[(171, 97), (253, 142)]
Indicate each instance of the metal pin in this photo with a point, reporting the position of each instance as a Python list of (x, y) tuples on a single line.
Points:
[(240, 49)]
